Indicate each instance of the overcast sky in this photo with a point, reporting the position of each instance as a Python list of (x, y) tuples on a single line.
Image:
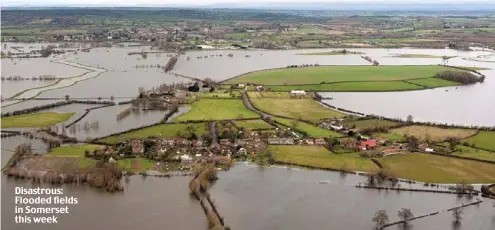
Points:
[(194, 2)]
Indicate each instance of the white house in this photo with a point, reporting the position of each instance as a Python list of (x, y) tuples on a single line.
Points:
[(205, 47), (429, 150), (111, 160), (336, 127), (298, 92), (185, 158)]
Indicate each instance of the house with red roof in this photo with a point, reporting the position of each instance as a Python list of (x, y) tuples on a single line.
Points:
[(369, 144)]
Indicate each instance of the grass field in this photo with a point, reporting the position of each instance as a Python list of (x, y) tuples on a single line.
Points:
[(317, 156), (73, 150), (465, 151), (364, 124), (35, 120), (268, 94), (317, 75), (220, 109), (219, 95), (484, 139), (418, 56), (294, 108), (254, 124), (376, 86), (165, 130), (311, 130), (433, 82), (136, 164), (390, 136), (433, 133), (438, 169)]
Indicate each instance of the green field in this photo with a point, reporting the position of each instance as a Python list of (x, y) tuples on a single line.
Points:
[(390, 136), (254, 124), (317, 156), (136, 164), (317, 75), (418, 56), (311, 130), (164, 130), (35, 120), (433, 133), (217, 109), (364, 124), (433, 82), (268, 94), (438, 169), (373, 86), (468, 152), (73, 150), (484, 139), (295, 108)]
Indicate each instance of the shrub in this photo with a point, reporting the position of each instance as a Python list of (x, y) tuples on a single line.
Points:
[(462, 77)]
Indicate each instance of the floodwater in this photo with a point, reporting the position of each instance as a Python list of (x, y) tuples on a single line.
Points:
[(11, 88), (108, 124), (125, 73), (146, 203), (220, 68), (464, 105), (252, 197), (26, 105)]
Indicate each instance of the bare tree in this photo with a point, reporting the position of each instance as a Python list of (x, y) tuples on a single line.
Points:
[(380, 218), (293, 124), (457, 213), (409, 119), (405, 214)]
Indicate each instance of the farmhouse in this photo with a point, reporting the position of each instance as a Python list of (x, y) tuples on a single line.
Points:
[(367, 144), (319, 141), (137, 146)]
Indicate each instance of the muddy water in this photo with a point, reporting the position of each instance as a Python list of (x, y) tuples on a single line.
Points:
[(145, 204), (220, 68), (33, 67), (108, 123), (122, 78), (465, 105), (250, 197)]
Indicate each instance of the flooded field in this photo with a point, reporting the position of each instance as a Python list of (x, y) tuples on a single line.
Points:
[(108, 124), (133, 70), (26, 105), (11, 88), (250, 197), (465, 105), (220, 68), (145, 204), (159, 201)]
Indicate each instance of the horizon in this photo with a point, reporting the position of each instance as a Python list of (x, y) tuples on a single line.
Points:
[(228, 3)]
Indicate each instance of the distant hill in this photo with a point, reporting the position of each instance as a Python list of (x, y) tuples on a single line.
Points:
[(362, 6), (435, 6)]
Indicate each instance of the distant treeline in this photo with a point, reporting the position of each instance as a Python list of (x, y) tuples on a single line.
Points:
[(462, 77), (73, 16)]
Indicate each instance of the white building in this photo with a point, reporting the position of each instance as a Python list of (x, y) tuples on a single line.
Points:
[(298, 92), (186, 158)]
